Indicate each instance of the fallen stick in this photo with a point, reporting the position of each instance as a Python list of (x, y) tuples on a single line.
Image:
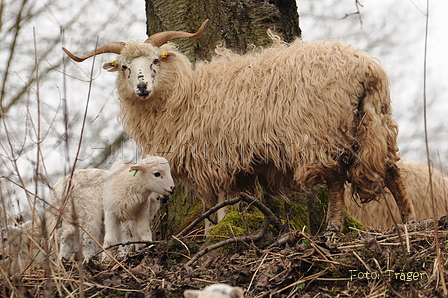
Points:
[(269, 218)]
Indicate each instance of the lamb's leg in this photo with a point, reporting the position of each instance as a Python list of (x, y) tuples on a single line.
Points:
[(140, 226), (336, 211), (126, 236), (395, 184), (112, 227)]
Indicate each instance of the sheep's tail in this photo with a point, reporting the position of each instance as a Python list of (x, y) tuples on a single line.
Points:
[(376, 133)]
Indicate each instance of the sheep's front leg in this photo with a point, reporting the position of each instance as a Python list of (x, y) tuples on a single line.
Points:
[(112, 227), (395, 184), (126, 236), (142, 231), (336, 211), (223, 211)]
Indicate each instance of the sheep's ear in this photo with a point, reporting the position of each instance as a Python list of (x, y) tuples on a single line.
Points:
[(191, 293), (139, 167), (111, 66), (237, 292), (167, 57)]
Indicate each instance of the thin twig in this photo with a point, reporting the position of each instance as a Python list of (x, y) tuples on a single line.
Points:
[(256, 271), (431, 188)]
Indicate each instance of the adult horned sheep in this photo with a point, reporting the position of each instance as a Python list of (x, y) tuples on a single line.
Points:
[(293, 115)]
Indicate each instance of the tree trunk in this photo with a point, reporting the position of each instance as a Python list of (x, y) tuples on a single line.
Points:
[(238, 24)]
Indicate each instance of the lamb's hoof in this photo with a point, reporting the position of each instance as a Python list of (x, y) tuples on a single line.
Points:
[(329, 235)]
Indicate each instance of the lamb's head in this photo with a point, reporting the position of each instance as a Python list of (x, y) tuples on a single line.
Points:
[(216, 291), (139, 62), (155, 175)]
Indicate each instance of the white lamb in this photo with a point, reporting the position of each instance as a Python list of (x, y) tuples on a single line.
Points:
[(127, 198), (216, 291), (85, 191)]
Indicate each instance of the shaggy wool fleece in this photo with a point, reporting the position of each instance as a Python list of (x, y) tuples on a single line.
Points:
[(284, 114)]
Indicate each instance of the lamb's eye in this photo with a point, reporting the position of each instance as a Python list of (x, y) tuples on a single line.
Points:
[(157, 174), (156, 61), (124, 67)]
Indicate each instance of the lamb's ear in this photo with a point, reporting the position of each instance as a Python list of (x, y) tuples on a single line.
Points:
[(237, 292), (111, 66), (191, 293), (167, 57), (139, 167)]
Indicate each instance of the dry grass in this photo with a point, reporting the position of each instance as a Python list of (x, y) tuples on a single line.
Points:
[(367, 264)]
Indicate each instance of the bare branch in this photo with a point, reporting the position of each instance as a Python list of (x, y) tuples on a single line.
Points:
[(269, 218)]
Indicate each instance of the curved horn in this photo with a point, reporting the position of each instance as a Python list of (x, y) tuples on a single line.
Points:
[(112, 47), (161, 38)]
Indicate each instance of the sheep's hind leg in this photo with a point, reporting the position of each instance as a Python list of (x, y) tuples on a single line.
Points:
[(336, 210), (395, 184)]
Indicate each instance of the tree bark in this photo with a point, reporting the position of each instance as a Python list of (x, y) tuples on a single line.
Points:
[(238, 24)]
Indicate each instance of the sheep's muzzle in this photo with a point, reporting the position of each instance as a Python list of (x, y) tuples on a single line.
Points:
[(142, 90)]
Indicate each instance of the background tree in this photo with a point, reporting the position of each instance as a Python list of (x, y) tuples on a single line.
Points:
[(237, 24)]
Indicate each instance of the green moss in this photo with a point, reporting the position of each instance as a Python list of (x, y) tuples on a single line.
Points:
[(350, 221), (235, 224), (291, 210)]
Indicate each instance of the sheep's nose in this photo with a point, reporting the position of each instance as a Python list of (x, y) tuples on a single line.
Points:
[(172, 189), (142, 89), (141, 86)]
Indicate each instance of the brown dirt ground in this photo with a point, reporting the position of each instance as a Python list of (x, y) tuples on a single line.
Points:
[(364, 264)]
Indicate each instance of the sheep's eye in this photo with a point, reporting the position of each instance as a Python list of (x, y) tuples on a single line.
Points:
[(156, 61), (157, 174), (124, 67)]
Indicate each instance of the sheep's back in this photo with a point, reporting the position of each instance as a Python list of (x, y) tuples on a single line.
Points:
[(87, 192), (288, 111)]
